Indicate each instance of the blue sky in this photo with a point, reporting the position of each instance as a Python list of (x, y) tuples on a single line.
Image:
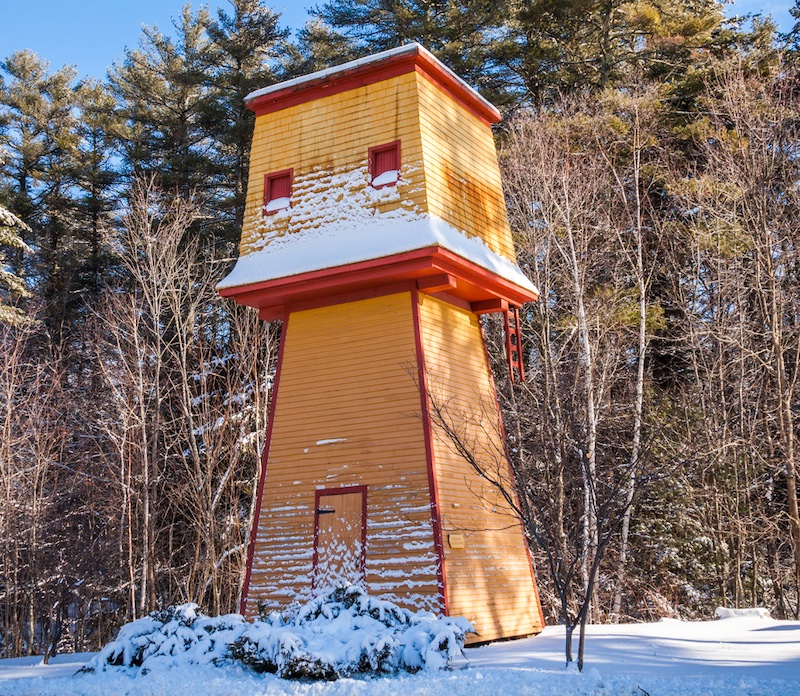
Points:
[(92, 34)]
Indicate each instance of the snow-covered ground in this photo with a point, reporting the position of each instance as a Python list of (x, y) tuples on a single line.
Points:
[(737, 655)]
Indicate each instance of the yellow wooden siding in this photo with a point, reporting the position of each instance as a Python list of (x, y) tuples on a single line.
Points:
[(462, 177), (347, 413), (326, 141), (489, 580)]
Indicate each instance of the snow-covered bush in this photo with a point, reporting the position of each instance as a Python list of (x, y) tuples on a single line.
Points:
[(746, 613), (340, 633)]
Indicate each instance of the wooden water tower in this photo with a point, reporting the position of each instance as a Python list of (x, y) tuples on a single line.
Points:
[(376, 230)]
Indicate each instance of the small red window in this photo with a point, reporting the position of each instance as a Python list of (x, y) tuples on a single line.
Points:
[(277, 191), (384, 164)]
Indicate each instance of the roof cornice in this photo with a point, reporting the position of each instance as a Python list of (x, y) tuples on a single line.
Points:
[(365, 71)]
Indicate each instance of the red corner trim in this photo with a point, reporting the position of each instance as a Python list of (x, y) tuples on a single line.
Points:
[(320, 493), (511, 470), (433, 485), (369, 73), (262, 478)]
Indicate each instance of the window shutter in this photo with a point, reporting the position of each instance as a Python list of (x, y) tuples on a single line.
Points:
[(385, 160), (277, 191), (280, 187), (384, 164)]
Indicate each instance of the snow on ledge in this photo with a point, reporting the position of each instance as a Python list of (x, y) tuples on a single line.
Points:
[(388, 177), (350, 241), (277, 204)]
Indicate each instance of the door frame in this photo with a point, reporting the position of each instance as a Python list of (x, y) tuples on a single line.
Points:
[(342, 490)]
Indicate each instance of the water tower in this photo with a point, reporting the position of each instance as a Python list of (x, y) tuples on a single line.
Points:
[(376, 231)]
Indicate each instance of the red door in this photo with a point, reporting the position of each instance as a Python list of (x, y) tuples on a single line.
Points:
[(339, 537)]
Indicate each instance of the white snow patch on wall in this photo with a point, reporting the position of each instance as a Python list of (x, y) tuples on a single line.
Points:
[(334, 221), (277, 204)]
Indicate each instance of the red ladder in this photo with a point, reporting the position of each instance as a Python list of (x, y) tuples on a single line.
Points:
[(513, 343)]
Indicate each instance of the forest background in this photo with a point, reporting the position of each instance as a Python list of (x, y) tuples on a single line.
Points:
[(650, 160)]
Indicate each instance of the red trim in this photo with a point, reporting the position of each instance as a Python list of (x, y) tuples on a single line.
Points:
[(511, 470), (264, 460), (366, 74), (342, 490), (268, 179), (513, 343), (474, 283), (433, 485), (376, 150), (273, 314), (354, 296), (489, 306), (330, 85), (450, 299), (438, 283), (411, 262)]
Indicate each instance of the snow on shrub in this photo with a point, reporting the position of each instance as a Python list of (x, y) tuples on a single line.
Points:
[(340, 633), (748, 613)]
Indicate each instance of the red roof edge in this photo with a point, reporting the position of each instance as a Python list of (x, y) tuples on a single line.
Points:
[(430, 265), (359, 73)]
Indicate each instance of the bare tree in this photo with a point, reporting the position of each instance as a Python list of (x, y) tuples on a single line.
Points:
[(581, 443), (742, 306), (189, 381), (32, 569)]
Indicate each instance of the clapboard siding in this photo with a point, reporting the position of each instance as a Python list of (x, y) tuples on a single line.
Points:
[(462, 177), (327, 140), (345, 377), (490, 580), (448, 159)]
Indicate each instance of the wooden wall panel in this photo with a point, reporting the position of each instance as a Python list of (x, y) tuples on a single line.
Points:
[(348, 413), (489, 580), (326, 142), (449, 162), (462, 177)]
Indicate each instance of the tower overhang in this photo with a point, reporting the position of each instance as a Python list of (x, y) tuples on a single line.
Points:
[(433, 270)]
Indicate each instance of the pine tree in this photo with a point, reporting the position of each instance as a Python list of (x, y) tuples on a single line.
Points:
[(39, 138), (561, 46), (11, 228), (466, 35), (318, 46), (96, 177), (182, 103), (161, 90), (246, 44)]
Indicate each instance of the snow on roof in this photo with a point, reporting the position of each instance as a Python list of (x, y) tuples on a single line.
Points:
[(347, 242), (327, 74)]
